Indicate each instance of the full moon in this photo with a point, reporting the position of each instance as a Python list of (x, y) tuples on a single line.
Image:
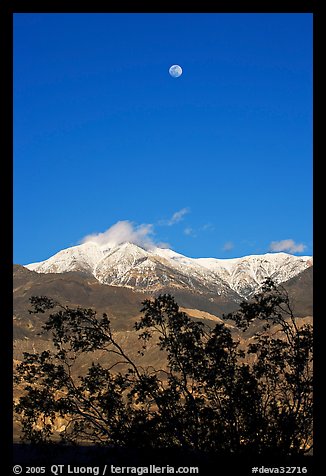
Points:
[(175, 71)]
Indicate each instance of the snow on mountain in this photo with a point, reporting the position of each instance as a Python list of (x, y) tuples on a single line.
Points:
[(246, 275), (150, 270), (122, 265), (129, 265), (77, 258)]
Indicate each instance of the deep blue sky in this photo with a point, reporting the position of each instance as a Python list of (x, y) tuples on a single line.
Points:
[(103, 134)]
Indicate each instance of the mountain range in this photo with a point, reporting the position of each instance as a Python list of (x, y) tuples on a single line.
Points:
[(160, 269), (117, 280)]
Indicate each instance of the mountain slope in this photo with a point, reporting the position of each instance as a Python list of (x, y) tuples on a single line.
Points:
[(77, 258), (300, 289), (123, 304), (245, 275)]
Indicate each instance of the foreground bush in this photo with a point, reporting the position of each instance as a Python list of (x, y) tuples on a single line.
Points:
[(213, 394)]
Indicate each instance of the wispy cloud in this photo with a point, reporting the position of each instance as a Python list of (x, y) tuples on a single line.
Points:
[(123, 232), (287, 245), (228, 246), (189, 231), (176, 217), (208, 227)]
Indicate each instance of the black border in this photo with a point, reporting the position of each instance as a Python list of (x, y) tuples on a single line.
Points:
[(99, 6), (7, 10), (6, 235)]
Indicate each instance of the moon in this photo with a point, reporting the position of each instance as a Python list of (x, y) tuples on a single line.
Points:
[(175, 71)]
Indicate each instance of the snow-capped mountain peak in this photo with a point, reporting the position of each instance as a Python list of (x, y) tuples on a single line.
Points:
[(77, 258), (245, 275)]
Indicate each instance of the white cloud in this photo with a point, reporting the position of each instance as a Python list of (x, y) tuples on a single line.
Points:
[(228, 246), (176, 217), (287, 245), (122, 232)]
